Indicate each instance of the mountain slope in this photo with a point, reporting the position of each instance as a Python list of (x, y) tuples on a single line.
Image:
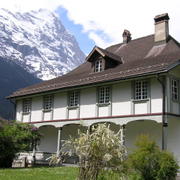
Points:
[(12, 77), (39, 43)]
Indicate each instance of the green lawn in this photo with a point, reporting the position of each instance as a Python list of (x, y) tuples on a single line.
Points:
[(51, 173), (43, 173)]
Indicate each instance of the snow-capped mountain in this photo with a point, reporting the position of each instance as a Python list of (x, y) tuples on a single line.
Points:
[(38, 42)]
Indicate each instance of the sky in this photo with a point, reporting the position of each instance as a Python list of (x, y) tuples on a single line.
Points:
[(102, 22)]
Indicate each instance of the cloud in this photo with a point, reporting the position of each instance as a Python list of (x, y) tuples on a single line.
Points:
[(104, 21), (27, 5), (113, 16)]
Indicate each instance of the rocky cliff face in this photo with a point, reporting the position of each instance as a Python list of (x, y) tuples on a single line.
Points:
[(39, 43), (12, 77)]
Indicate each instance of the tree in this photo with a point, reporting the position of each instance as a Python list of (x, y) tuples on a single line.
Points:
[(98, 149), (16, 137)]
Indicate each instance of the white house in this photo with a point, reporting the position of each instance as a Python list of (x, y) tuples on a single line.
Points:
[(134, 85)]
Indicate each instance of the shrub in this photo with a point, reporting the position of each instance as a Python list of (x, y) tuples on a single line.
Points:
[(168, 166), (15, 137), (98, 149), (152, 163)]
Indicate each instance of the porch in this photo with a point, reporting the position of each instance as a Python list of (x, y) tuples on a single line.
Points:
[(55, 134)]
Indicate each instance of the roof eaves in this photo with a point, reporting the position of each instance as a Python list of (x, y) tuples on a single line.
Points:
[(170, 67), (115, 79)]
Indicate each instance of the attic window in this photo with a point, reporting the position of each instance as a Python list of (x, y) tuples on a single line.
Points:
[(98, 65)]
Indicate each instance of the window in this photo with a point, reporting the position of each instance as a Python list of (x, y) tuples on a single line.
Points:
[(141, 90), (175, 89), (48, 102), (73, 98), (104, 95), (26, 105), (98, 65)]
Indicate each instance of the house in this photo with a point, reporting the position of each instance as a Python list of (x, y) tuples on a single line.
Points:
[(134, 86)]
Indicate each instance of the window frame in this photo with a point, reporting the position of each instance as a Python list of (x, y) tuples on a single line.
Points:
[(48, 101), (104, 96), (141, 90), (175, 90), (98, 65), (73, 99), (27, 106)]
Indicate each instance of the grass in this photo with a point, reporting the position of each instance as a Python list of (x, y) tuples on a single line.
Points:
[(42, 173), (52, 173)]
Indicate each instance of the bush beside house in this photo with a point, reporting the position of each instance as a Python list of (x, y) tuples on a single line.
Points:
[(16, 137), (151, 163)]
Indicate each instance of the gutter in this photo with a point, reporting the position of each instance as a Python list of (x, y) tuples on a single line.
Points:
[(164, 120)]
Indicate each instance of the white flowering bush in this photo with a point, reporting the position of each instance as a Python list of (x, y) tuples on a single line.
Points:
[(98, 148)]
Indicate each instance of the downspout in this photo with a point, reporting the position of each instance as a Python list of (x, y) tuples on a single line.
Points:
[(14, 104), (164, 121)]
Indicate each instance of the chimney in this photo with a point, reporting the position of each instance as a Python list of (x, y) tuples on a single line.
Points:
[(161, 28), (126, 36)]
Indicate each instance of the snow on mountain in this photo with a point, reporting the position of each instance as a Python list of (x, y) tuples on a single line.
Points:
[(38, 42)]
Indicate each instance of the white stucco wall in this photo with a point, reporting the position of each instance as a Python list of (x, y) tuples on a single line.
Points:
[(36, 113), (174, 105), (26, 117), (156, 96), (121, 99), (73, 113), (60, 104), (88, 102), (140, 107), (49, 139), (103, 111), (174, 136), (122, 103), (47, 116), (19, 110), (146, 127)]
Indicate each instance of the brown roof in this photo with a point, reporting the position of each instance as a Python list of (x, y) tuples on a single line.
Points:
[(139, 57)]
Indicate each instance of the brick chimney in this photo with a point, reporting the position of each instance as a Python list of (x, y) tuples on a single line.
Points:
[(161, 28), (126, 36)]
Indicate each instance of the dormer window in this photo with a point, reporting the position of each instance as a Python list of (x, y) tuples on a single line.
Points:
[(98, 65), (102, 60)]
